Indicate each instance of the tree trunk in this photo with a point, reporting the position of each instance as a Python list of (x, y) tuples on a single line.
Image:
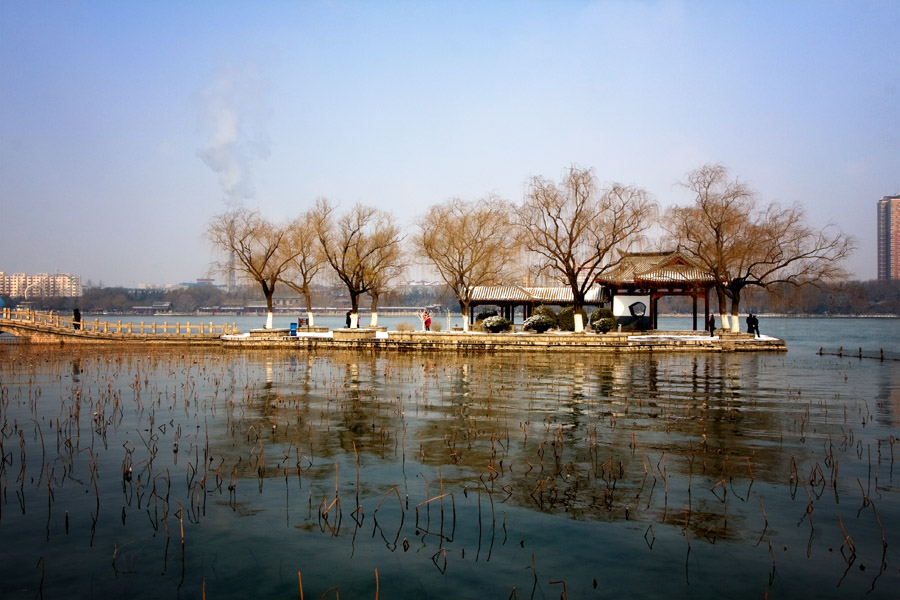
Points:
[(269, 292), (579, 321), (309, 312), (723, 309), (464, 307), (374, 318), (354, 310), (735, 311)]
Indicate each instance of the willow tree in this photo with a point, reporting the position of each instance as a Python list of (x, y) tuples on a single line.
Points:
[(363, 248), (255, 248), (469, 243), (741, 243), (580, 231), (302, 243), (385, 266)]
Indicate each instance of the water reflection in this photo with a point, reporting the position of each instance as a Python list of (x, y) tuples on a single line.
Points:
[(454, 475)]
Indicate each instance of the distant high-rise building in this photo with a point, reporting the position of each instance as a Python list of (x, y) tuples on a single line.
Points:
[(23, 285), (889, 237)]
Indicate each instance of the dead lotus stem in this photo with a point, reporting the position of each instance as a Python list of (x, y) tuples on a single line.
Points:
[(181, 520), (564, 595), (300, 583), (356, 452), (878, 520), (865, 496), (772, 574), (848, 541)]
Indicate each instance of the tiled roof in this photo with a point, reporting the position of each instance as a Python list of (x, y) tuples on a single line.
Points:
[(500, 293), (515, 293), (656, 267)]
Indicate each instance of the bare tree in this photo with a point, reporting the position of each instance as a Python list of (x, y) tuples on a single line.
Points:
[(470, 243), (363, 248), (257, 247), (580, 231), (302, 243), (386, 265), (742, 244)]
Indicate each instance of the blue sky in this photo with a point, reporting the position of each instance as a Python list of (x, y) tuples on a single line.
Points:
[(125, 126)]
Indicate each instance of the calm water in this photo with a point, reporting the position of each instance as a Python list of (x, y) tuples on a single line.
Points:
[(168, 473)]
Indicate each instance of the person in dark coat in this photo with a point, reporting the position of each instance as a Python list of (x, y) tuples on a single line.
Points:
[(754, 325), (711, 325), (347, 325), (76, 319)]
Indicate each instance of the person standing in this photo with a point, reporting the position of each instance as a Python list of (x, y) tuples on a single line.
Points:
[(426, 320), (347, 324), (76, 319), (711, 325)]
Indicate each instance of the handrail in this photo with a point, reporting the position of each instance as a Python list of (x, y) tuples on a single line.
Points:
[(56, 321)]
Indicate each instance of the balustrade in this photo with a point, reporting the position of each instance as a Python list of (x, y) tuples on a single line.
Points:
[(55, 321)]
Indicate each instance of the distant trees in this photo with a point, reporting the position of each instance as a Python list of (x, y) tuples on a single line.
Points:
[(469, 243), (576, 228), (363, 248), (254, 247), (742, 244)]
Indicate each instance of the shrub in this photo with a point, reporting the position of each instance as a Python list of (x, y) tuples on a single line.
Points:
[(435, 326), (489, 312), (565, 320), (496, 324), (404, 327), (605, 325), (548, 312), (539, 323), (602, 320)]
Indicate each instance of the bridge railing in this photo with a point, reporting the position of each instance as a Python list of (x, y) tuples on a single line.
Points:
[(56, 321)]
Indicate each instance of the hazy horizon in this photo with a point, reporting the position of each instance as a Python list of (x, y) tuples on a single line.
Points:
[(124, 127)]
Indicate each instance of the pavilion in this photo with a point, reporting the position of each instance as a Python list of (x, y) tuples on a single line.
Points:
[(642, 278)]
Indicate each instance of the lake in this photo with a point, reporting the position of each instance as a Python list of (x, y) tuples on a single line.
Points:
[(207, 473)]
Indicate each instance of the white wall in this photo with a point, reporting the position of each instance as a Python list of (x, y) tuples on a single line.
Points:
[(621, 303)]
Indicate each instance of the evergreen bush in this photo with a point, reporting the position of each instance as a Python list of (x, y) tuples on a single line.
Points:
[(548, 312), (602, 320), (496, 324), (539, 323), (484, 314), (565, 320)]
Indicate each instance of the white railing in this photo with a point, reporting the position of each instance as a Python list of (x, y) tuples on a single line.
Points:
[(55, 321)]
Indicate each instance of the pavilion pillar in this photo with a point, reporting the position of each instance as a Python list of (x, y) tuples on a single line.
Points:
[(705, 308), (694, 298)]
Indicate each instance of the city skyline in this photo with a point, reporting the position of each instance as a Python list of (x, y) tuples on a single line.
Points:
[(125, 127)]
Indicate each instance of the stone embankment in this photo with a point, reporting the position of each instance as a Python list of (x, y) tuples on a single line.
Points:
[(44, 328), (375, 340)]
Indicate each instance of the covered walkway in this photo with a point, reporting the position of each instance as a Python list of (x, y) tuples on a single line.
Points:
[(509, 297)]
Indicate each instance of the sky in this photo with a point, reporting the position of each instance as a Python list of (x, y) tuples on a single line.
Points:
[(126, 126)]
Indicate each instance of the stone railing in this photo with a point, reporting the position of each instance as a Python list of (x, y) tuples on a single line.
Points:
[(58, 322)]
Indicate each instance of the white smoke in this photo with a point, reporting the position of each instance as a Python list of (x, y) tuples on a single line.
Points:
[(234, 112)]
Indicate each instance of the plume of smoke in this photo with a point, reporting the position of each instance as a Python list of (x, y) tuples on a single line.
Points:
[(234, 112)]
